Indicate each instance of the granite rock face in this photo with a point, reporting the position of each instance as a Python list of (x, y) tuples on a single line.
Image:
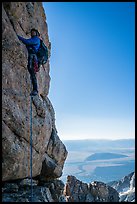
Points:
[(77, 191), (49, 153)]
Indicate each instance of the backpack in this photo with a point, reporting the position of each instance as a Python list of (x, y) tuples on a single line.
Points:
[(42, 54)]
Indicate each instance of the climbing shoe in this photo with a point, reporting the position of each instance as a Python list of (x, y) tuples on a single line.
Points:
[(34, 93)]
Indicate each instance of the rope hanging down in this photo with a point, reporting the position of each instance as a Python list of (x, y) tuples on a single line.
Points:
[(31, 145)]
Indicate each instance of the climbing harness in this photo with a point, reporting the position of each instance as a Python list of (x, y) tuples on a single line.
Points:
[(31, 144)]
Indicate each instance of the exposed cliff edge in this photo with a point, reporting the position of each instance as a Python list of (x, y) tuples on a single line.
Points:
[(49, 153)]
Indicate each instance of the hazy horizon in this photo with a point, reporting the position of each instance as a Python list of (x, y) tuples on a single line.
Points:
[(97, 139)]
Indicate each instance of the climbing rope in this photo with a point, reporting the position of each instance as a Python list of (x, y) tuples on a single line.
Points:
[(31, 144)]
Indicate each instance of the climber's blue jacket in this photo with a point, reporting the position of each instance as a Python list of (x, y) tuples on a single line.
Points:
[(33, 42)]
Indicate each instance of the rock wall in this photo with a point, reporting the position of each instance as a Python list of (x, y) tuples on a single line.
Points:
[(49, 153), (20, 191)]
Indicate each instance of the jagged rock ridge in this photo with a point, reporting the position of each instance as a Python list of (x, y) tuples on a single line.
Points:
[(125, 187), (73, 191), (77, 191), (49, 153)]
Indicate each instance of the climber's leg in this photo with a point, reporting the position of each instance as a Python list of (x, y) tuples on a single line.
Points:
[(32, 73)]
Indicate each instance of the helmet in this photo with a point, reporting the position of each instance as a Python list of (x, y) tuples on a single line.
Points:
[(37, 32)]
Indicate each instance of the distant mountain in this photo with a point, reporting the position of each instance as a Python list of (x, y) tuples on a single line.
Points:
[(125, 187), (91, 144), (104, 156), (123, 183)]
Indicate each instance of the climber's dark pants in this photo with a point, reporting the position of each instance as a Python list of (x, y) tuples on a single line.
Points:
[(31, 70)]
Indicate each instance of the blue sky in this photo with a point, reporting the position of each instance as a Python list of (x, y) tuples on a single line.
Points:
[(92, 68)]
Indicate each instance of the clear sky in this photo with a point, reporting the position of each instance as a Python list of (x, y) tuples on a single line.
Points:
[(92, 68)]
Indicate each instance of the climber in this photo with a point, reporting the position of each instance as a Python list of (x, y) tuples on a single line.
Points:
[(32, 45)]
